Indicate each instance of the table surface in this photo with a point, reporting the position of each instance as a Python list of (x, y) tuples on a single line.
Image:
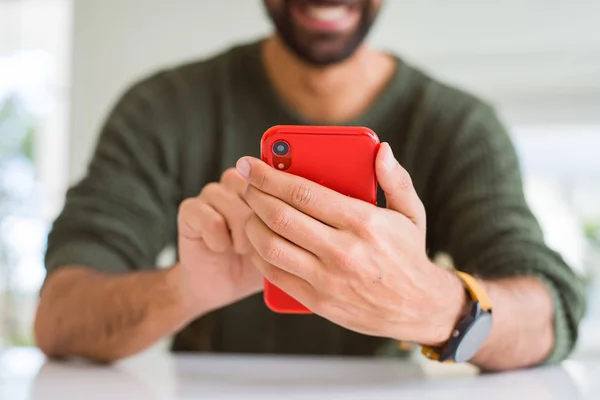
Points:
[(26, 374)]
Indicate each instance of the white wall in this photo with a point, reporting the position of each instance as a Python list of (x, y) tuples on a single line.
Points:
[(539, 60)]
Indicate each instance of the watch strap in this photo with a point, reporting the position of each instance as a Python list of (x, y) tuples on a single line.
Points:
[(476, 290), (477, 294)]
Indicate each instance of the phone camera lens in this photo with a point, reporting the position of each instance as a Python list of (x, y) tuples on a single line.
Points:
[(281, 148)]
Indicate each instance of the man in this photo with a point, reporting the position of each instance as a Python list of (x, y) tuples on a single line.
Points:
[(164, 171)]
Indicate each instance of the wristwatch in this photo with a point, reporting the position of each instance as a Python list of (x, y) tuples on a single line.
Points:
[(471, 332)]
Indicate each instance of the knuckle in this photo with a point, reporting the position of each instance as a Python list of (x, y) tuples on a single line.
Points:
[(300, 195), (280, 220), (404, 180), (272, 252), (273, 275), (189, 209), (186, 207), (264, 181), (371, 224), (348, 257), (340, 255), (210, 189), (185, 216), (229, 175), (357, 220), (216, 222)]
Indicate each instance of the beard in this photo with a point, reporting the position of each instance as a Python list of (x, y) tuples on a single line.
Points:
[(322, 49)]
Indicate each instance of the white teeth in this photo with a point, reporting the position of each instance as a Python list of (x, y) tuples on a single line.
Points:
[(327, 14)]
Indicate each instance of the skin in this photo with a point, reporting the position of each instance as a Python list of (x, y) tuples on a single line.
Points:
[(366, 268), (107, 317), (329, 94), (322, 47), (257, 222)]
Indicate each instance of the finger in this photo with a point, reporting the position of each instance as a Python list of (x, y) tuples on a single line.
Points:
[(197, 220), (236, 214), (283, 219), (281, 253), (320, 202), (235, 211), (396, 183), (234, 182), (215, 232), (292, 285)]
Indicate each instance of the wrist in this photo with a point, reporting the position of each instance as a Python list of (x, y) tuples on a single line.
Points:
[(190, 306), (449, 306)]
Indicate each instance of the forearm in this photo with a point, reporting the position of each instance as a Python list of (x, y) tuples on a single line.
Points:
[(86, 313), (522, 333), (523, 325)]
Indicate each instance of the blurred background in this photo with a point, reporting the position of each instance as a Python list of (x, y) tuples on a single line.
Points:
[(63, 63)]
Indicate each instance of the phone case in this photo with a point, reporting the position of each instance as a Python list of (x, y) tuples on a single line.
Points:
[(339, 157)]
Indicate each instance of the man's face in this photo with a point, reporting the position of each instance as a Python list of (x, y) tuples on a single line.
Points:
[(323, 32)]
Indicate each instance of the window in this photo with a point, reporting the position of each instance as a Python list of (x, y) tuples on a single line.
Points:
[(34, 48)]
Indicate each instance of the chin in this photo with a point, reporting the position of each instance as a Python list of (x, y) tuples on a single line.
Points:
[(323, 33)]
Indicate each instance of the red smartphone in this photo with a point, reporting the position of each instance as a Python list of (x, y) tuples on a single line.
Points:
[(339, 157)]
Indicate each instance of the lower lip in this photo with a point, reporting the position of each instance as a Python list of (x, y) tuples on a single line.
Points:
[(347, 22)]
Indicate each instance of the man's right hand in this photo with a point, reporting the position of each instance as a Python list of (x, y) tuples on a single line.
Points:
[(214, 265), (106, 317)]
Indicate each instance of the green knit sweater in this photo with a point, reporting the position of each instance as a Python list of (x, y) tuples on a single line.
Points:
[(179, 129)]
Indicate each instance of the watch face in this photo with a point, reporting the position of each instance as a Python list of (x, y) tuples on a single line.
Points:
[(473, 338)]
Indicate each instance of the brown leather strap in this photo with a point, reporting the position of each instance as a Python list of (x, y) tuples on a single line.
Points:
[(477, 293)]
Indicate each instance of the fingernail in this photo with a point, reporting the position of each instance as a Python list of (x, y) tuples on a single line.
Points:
[(243, 167), (389, 160)]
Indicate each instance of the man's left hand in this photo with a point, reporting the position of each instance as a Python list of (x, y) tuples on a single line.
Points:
[(358, 265)]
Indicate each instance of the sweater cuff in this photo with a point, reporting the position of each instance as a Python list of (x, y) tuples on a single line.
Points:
[(563, 337)]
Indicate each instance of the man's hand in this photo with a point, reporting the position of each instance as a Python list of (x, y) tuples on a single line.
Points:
[(360, 266), (106, 317), (214, 266)]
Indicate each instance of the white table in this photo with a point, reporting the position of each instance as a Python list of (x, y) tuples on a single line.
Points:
[(25, 374)]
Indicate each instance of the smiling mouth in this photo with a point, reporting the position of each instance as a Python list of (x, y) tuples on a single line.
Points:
[(326, 16)]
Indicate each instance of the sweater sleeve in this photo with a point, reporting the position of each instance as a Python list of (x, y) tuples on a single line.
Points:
[(483, 222), (123, 212)]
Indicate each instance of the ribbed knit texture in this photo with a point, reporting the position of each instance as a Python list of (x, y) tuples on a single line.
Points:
[(175, 131)]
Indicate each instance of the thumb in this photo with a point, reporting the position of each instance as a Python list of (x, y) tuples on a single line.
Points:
[(400, 195)]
